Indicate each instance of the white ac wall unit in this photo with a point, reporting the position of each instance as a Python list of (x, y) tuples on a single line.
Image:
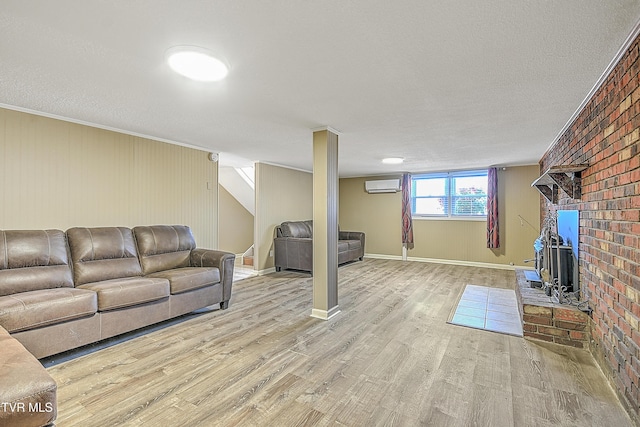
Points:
[(382, 186)]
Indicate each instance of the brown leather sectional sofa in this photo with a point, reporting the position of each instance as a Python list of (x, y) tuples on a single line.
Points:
[(60, 291), (293, 246)]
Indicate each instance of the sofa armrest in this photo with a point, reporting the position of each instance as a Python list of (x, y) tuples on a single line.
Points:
[(28, 394), (293, 252), (224, 261)]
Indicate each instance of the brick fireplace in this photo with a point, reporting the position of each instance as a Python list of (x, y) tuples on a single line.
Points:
[(604, 136)]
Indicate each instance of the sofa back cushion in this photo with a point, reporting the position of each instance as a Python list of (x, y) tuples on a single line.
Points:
[(299, 229), (164, 247), (102, 253), (33, 260)]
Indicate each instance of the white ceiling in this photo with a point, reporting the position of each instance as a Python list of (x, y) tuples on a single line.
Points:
[(445, 84)]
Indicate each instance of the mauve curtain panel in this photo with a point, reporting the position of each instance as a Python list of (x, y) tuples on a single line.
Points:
[(493, 234), (407, 221)]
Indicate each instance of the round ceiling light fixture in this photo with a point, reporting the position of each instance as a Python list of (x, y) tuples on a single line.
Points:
[(196, 63), (392, 160)]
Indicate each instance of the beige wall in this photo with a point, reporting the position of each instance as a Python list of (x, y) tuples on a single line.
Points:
[(57, 174), (379, 216), (235, 224), (281, 195)]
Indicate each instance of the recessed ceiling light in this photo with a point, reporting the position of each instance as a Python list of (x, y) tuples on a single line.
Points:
[(393, 160), (196, 63)]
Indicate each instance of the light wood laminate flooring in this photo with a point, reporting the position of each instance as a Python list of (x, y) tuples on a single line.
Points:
[(387, 359)]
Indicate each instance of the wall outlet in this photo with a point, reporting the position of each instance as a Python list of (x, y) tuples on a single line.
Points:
[(271, 253)]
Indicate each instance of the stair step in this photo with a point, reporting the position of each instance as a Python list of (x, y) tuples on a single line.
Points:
[(247, 260)]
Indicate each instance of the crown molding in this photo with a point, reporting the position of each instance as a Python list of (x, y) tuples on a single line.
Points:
[(98, 126)]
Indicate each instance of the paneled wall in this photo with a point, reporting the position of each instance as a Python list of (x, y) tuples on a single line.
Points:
[(57, 174), (606, 137), (282, 194), (236, 224), (379, 216)]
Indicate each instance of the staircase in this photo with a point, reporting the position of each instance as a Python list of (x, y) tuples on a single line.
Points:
[(247, 257)]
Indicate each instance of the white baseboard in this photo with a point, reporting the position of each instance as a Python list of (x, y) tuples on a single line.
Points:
[(449, 262), (266, 271), (383, 256), (324, 314)]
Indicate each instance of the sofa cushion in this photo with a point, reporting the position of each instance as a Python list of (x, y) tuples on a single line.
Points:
[(29, 310), (31, 260), (343, 246), (102, 253), (26, 389), (189, 278), (299, 229), (353, 244), (128, 291), (164, 247)]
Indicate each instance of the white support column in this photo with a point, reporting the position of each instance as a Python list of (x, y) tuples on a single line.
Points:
[(325, 224)]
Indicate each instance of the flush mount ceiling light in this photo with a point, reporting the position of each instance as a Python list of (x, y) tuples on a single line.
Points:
[(196, 63), (392, 160)]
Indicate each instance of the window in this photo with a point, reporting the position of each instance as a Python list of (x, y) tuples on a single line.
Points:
[(453, 194)]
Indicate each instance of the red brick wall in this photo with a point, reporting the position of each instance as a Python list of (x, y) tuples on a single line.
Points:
[(564, 325), (606, 136)]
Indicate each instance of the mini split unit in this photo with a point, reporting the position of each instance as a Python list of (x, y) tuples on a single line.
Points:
[(382, 186)]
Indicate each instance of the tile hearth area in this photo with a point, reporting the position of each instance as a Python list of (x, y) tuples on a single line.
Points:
[(490, 309)]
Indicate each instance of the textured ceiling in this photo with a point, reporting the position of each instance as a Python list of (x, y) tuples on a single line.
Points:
[(446, 85)]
